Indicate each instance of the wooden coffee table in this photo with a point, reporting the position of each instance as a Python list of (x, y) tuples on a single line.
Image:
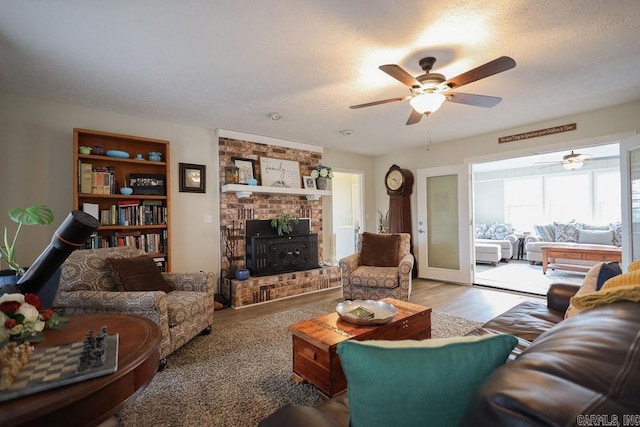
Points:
[(93, 401), (315, 342), (577, 252)]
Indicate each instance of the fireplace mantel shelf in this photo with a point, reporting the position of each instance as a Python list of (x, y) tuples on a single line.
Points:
[(244, 191)]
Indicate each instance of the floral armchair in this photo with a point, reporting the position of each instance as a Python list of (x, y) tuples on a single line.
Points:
[(87, 285), (381, 268)]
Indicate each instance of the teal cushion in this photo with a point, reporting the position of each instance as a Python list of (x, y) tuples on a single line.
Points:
[(417, 383)]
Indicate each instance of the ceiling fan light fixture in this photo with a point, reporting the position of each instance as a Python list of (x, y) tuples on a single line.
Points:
[(427, 102), (572, 165)]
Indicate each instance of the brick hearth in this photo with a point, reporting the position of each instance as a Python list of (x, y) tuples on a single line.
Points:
[(255, 290)]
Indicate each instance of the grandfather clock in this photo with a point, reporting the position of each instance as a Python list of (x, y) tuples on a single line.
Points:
[(399, 184)]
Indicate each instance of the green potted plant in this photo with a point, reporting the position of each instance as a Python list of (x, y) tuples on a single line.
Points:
[(284, 223), (32, 215)]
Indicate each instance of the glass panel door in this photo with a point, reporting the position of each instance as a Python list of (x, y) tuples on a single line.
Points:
[(444, 238)]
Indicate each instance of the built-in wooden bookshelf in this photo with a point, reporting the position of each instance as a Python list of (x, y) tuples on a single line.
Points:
[(140, 219)]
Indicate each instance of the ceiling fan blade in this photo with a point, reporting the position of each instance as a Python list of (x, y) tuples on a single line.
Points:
[(400, 74), (384, 101), (414, 118), (496, 66), (470, 99)]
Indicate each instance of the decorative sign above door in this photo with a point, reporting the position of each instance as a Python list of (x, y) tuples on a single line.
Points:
[(537, 133)]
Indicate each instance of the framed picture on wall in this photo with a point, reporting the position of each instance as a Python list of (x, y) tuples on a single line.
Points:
[(279, 173), (192, 178), (309, 182), (246, 169)]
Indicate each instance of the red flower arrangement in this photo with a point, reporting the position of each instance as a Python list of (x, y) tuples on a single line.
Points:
[(22, 318)]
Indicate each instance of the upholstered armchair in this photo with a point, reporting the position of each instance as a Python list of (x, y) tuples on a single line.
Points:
[(90, 284), (381, 268)]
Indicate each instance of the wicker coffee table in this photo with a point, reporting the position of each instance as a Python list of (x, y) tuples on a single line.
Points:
[(315, 341)]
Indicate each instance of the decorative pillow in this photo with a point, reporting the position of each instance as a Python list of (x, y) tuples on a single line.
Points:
[(380, 250), (499, 231), (546, 232), (625, 287), (137, 274), (594, 280), (567, 231), (607, 271), (617, 233), (596, 237), (595, 227), (427, 382), (480, 231)]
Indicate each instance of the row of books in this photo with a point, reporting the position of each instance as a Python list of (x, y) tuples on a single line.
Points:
[(98, 180), (129, 212), (152, 243)]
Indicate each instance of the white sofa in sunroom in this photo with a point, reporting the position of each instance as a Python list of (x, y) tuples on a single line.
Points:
[(501, 234), (572, 233)]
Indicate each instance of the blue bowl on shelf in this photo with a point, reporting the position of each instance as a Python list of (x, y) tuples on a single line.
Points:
[(127, 191), (118, 153), (242, 274)]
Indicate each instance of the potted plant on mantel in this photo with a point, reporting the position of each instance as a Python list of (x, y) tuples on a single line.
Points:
[(32, 215), (284, 223)]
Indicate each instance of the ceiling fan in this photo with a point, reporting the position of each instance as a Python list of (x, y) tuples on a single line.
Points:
[(430, 90), (571, 161)]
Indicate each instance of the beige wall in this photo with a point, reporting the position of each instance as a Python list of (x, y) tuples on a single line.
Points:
[(36, 139), (35, 166)]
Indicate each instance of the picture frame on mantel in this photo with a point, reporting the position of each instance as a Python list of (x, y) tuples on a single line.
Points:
[(246, 169), (309, 182), (192, 178), (279, 173)]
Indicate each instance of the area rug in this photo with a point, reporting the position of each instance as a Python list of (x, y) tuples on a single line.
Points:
[(240, 373), (523, 277)]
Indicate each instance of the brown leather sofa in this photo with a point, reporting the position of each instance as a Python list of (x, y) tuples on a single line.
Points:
[(579, 371)]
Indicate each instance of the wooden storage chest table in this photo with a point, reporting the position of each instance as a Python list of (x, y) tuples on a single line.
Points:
[(315, 341)]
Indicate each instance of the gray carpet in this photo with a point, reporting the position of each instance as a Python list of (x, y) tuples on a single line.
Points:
[(241, 373)]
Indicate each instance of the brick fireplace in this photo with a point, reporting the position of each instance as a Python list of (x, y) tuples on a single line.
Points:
[(235, 212)]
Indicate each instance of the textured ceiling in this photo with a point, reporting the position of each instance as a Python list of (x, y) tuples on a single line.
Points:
[(230, 64)]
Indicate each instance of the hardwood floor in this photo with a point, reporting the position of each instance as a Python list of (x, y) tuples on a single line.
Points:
[(472, 302)]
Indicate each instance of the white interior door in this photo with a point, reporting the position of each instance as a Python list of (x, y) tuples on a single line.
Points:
[(444, 226), (347, 212), (630, 177)]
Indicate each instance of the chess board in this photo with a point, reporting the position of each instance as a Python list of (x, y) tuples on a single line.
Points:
[(56, 366)]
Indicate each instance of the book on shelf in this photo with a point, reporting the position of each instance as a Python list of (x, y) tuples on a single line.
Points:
[(85, 177), (92, 209), (151, 243), (133, 212), (128, 202), (103, 180)]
